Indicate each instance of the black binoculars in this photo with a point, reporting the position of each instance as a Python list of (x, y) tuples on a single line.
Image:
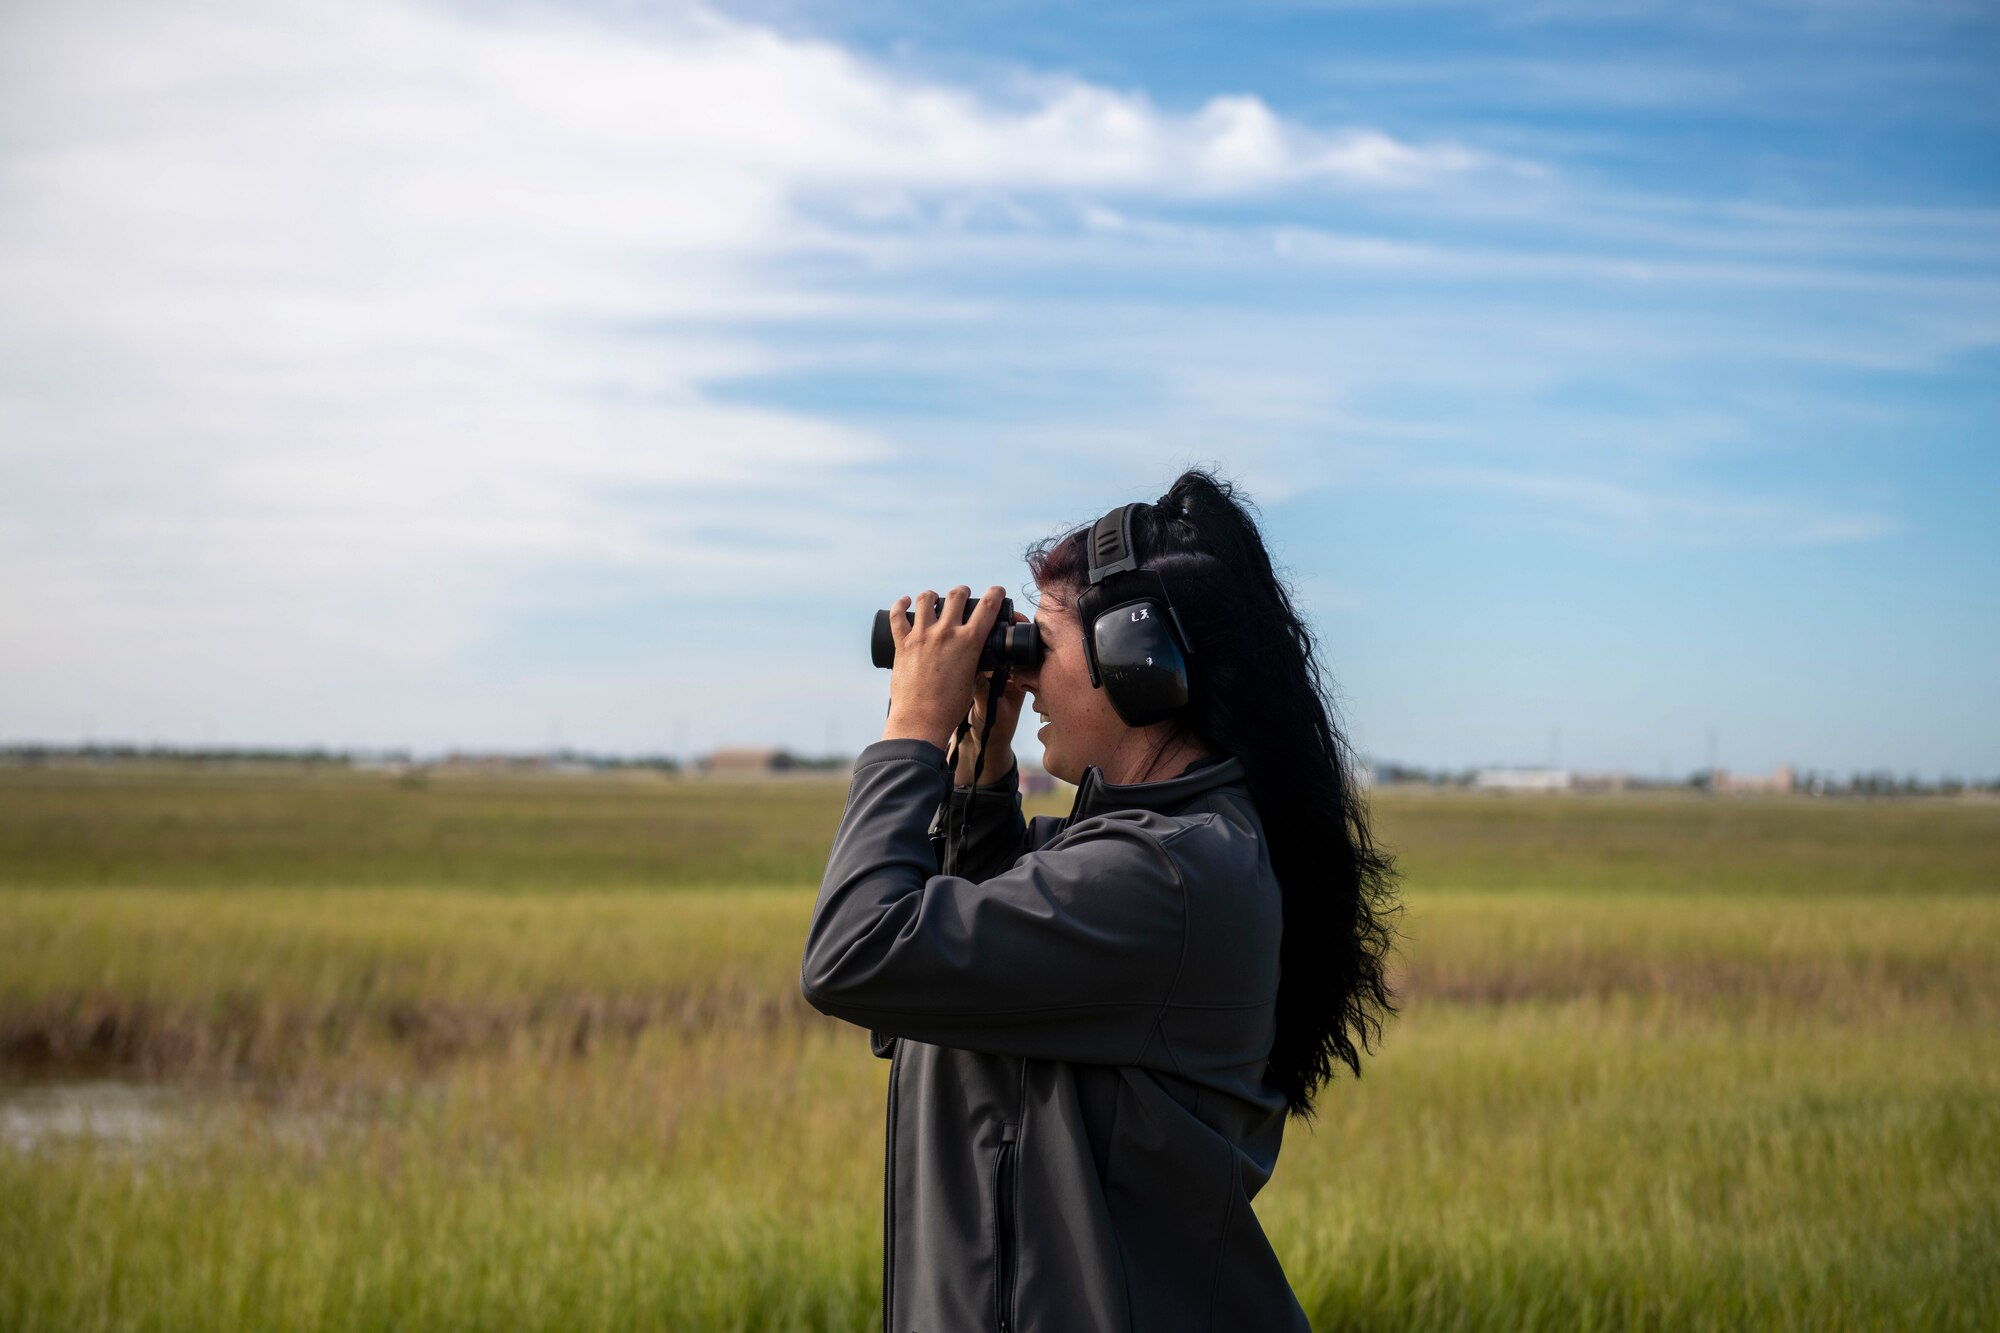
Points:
[(1012, 643)]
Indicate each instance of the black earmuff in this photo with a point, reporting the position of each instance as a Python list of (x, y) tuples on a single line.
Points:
[(1132, 637)]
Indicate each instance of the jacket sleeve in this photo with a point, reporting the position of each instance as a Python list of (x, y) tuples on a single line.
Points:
[(1070, 954), (992, 833)]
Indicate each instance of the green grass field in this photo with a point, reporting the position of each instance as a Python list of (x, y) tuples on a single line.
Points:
[(528, 1053)]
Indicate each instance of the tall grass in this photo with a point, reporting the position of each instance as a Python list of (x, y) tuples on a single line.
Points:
[(288, 981), (335, 828), (1673, 842), (137, 827), (1664, 1064), (1550, 1166), (255, 981), (720, 1181)]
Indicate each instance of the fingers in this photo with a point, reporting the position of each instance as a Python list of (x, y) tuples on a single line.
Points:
[(924, 612), (987, 612), (953, 613)]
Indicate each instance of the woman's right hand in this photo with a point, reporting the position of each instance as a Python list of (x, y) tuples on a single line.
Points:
[(1006, 719)]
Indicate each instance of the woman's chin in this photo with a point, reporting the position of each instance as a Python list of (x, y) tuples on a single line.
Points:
[(1056, 766)]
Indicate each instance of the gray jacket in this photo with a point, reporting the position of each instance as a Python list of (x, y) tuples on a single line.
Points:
[(1079, 1025)]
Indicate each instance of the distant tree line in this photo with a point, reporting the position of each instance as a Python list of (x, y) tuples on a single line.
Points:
[(115, 752), (1882, 782), (320, 756), (1811, 782), (1393, 773)]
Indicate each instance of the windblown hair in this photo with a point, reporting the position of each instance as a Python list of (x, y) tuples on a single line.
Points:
[(1261, 694)]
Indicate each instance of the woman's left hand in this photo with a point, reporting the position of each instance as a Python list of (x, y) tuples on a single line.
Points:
[(937, 660), (999, 744)]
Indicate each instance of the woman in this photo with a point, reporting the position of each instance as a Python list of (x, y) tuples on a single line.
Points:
[(1100, 1023)]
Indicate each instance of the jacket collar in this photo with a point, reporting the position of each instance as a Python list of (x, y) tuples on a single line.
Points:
[(1094, 795)]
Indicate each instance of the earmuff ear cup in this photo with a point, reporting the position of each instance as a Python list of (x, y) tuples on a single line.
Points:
[(1145, 675), (1135, 655)]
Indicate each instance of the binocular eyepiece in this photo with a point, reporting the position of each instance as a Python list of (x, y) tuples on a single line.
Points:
[(1012, 643)]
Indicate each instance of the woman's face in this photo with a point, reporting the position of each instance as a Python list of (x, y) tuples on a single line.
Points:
[(1080, 728)]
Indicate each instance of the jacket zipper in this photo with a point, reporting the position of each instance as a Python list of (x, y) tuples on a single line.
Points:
[(889, 1195), (1003, 1232)]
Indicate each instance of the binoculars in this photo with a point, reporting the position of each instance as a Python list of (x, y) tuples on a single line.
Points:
[(1012, 643)]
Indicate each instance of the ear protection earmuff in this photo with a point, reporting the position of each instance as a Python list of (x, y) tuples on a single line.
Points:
[(1132, 637)]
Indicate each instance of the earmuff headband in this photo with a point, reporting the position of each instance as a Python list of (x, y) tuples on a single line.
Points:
[(1111, 549)]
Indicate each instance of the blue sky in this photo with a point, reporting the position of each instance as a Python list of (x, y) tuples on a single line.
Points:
[(400, 373)]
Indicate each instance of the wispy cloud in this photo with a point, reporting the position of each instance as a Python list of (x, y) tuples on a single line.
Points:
[(319, 315), (1629, 512), (1515, 83)]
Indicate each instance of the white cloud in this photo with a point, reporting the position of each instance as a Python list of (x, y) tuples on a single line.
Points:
[(326, 324)]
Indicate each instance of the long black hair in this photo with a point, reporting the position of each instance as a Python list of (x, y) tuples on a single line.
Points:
[(1261, 694)]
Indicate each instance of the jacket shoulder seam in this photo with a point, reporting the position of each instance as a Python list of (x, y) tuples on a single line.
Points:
[(1233, 1004), (1121, 819)]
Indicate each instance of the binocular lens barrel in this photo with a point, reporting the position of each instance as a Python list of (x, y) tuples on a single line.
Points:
[(1012, 643)]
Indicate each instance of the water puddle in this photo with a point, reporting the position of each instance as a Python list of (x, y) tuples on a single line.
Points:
[(101, 1111)]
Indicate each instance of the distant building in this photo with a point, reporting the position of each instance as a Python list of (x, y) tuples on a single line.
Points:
[(1523, 779), (1035, 782), (749, 763), (1780, 780)]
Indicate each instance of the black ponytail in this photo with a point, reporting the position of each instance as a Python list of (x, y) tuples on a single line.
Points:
[(1262, 695)]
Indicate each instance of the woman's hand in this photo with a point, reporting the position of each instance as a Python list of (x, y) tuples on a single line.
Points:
[(937, 659), (1006, 717)]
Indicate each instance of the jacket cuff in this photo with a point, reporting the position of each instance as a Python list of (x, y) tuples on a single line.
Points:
[(901, 748), (1008, 781)]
